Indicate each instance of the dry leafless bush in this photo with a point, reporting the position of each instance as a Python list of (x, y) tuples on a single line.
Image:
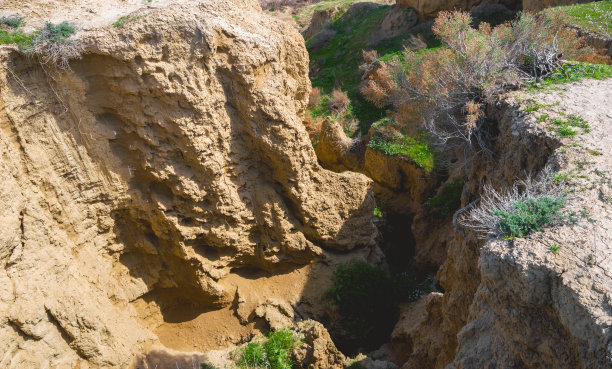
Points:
[(339, 102), (314, 99), (318, 41), (445, 91), (484, 218), (313, 126)]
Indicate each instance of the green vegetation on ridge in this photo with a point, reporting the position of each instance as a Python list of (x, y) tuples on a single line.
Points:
[(595, 16)]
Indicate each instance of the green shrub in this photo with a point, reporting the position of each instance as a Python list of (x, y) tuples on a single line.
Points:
[(529, 215), (12, 22), (274, 353), (448, 200), (24, 41), (59, 32)]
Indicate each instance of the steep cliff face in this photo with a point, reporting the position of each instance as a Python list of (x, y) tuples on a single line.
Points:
[(540, 308), (522, 304), (147, 184)]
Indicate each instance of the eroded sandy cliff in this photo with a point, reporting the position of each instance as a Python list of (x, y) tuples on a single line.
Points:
[(149, 183)]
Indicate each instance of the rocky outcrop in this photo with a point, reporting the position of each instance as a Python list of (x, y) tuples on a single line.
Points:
[(336, 151), (321, 18), (170, 158)]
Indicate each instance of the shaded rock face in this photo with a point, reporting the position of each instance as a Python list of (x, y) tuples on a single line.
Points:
[(170, 155), (320, 19)]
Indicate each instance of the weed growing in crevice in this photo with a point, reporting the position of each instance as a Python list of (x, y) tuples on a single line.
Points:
[(554, 248)]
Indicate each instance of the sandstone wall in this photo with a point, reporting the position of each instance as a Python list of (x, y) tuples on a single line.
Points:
[(170, 156)]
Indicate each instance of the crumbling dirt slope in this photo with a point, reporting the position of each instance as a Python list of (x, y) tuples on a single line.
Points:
[(142, 186)]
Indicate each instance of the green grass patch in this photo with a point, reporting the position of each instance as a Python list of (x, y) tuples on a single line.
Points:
[(125, 19), (572, 72), (417, 149), (529, 215), (378, 213), (593, 16), (12, 22), (564, 126), (448, 199), (273, 353)]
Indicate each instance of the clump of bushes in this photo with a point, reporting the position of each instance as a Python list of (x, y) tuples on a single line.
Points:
[(529, 206), (444, 91), (367, 297), (273, 353)]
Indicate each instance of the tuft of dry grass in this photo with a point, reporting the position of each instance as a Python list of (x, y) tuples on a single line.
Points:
[(339, 102), (314, 99), (313, 127)]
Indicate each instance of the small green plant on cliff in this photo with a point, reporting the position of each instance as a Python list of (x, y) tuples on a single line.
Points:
[(125, 19), (554, 248), (54, 45), (528, 215), (448, 200), (10, 33), (273, 353), (527, 207), (12, 22)]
